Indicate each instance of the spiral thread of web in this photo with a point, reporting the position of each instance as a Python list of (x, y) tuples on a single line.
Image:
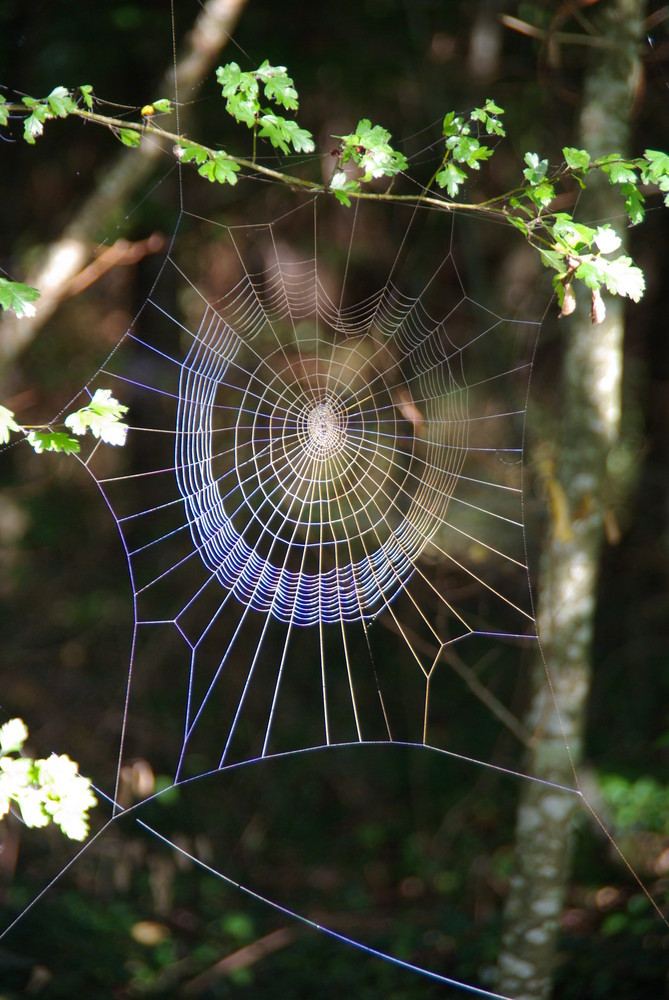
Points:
[(338, 480)]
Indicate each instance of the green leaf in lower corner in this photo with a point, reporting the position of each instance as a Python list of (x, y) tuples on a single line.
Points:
[(17, 297), (47, 440)]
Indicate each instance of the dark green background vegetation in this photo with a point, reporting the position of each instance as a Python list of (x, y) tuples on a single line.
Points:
[(400, 849)]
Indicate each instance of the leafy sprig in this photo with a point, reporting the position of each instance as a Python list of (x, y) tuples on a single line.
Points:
[(577, 253), (102, 417), (243, 92), (370, 150), (464, 148), (44, 791)]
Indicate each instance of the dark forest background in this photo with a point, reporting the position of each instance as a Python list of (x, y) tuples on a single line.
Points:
[(387, 846)]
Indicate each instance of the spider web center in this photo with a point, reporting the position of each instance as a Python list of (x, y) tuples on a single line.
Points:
[(326, 428)]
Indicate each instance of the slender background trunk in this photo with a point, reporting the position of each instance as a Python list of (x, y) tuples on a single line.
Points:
[(591, 389)]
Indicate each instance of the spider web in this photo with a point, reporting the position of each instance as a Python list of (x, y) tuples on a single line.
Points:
[(320, 502), (319, 479)]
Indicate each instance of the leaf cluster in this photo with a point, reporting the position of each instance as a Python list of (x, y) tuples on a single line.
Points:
[(576, 252), (102, 417), (369, 149), (44, 790), (244, 91), (464, 149)]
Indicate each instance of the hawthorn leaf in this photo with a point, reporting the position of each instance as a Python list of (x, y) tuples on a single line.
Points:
[(129, 137), (17, 297), (452, 178), (48, 440), (576, 159), (102, 417), (60, 102)]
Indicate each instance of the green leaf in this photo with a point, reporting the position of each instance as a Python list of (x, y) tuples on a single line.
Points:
[(87, 94), (554, 259), (278, 85), (341, 185), (487, 116), (592, 272), (129, 137), (452, 178), (191, 152), (102, 417), (282, 133), (468, 150), (17, 297), (519, 224), (4, 113), (60, 102), (656, 166), (7, 424), (572, 235), (541, 194), (33, 126), (576, 159), (619, 171), (219, 168), (48, 440), (634, 202), (536, 168), (243, 109), (231, 78), (452, 125)]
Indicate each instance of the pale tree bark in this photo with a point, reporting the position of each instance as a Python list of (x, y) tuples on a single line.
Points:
[(65, 258), (590, 425)]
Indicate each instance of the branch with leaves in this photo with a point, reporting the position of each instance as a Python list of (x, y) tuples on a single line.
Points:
[(575, 251), (255, 99), (102, 417)]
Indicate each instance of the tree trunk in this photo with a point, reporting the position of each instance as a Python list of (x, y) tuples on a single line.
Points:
[(591, 388)]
